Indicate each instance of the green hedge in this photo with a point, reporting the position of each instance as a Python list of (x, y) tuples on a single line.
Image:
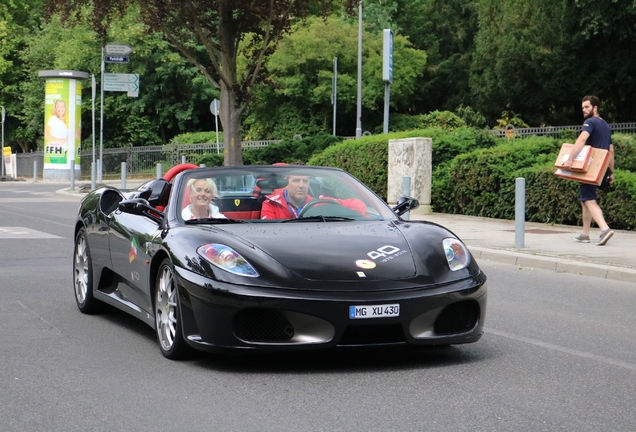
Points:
[(287, 151), (482, 183)]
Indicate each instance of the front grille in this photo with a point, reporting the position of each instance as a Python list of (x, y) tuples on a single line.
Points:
[(262, 325), (372, 334), (458, 317)]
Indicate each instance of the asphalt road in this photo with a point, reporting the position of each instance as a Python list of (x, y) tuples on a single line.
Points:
[(559, 354)]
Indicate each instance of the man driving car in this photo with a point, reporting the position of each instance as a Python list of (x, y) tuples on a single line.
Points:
[(288, 202)]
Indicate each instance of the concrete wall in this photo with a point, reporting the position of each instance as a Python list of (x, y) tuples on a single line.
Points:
[(411, 157)]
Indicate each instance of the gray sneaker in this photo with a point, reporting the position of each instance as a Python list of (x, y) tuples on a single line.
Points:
[(582, 238), (605, 236)]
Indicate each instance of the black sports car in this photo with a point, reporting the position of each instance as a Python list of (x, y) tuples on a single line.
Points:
[(330, 264)]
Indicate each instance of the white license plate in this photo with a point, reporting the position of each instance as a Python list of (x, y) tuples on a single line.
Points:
[(374, 311)]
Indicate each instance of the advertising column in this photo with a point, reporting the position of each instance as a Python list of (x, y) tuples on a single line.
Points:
[(62, 123)]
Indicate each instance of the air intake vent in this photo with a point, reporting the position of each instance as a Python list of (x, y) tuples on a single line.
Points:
[(262, 325), (458, 317)]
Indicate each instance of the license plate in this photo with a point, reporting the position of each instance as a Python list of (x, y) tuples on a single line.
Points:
[(374, 311)]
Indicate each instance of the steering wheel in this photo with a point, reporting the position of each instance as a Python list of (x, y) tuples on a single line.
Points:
[(177, 169), (314, 202)]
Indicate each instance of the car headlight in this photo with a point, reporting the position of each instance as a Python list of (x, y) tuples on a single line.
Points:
[(226, 258), (456, 254)]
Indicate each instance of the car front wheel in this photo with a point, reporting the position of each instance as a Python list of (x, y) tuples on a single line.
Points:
[(83, 275), (167, 320)]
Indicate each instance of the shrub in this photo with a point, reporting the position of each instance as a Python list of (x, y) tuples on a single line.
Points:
[(198, 138)]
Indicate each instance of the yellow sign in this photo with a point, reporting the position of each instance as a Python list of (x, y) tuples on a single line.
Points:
[(6, 151)]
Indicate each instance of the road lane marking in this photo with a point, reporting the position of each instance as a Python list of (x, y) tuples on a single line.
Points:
[(24, 233), (535, 342)]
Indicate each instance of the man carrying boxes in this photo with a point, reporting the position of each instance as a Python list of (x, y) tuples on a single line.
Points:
[(597, 134)]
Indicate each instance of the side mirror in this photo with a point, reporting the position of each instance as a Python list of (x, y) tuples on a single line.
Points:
[(141, 207), (405, 204)]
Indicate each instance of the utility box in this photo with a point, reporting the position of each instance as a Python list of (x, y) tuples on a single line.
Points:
[(411, 157)]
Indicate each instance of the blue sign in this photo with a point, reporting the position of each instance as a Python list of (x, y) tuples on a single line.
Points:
[(116, 59)]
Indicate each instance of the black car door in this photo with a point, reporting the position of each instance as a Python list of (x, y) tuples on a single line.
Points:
[(129, 238)]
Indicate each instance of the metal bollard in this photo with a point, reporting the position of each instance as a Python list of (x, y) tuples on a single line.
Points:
[(159, 171), (520, 212), (93, 176), (406, 191), (72, 163), (123, 175), (183, 159), (35, 171)]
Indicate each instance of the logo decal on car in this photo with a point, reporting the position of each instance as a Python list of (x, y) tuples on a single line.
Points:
[(365, 264), (133, 251)]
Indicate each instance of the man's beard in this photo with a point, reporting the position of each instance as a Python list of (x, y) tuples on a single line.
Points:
[(589, 115)]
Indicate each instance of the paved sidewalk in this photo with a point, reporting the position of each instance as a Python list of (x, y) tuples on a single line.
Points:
[(546, 246)]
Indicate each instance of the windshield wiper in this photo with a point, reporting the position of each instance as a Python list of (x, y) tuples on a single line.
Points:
[(212, 221), (319, 219)]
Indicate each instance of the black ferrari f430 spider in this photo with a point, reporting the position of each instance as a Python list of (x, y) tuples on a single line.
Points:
[(230, 259)]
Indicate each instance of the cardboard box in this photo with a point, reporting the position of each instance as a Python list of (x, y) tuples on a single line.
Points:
[(599, 162), (581, 161)]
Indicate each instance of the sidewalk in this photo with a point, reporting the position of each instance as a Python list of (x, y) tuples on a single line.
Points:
[(546, 246), (550, 247)]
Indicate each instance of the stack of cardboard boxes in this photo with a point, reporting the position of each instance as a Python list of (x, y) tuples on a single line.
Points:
[(589, 166)]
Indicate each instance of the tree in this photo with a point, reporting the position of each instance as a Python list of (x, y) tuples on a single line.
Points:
[(298, 101), (208, 34), (445, 30), (538, 58), (175, 97), (18, 21)]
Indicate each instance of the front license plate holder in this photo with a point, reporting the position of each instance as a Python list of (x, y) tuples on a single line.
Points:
[(374, 311)]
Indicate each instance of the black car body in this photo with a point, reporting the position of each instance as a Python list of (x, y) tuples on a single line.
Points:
[(332, 277)]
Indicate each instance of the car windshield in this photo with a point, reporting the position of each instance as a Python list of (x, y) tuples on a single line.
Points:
[(281, 193)]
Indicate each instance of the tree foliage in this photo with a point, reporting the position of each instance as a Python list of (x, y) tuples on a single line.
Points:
[(298, 97), (209, 34)]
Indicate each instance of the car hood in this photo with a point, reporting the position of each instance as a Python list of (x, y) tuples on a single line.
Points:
[(334, 251)]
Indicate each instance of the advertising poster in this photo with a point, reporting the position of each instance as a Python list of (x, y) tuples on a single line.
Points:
[(62, 114)]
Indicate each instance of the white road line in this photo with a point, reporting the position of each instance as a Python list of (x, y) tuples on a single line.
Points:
[(550, 346)]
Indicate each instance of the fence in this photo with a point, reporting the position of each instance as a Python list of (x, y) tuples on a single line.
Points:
[(512, 132), (140, 160), (143, 160)]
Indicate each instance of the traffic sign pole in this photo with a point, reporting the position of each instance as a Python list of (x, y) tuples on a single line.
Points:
[(3, 116), (214, 108), (100, 164)]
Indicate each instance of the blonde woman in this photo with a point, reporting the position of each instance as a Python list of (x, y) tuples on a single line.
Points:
[(201, 192), (56, 130)]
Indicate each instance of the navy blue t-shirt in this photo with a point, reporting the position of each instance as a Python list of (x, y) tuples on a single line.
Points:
[(600, 133)]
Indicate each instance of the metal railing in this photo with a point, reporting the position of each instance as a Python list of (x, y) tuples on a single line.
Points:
[(513, 132)]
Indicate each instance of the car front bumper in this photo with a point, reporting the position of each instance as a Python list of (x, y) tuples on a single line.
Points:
[(224, 317)]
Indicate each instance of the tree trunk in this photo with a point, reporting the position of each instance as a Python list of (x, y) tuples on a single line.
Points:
[(230, 115)]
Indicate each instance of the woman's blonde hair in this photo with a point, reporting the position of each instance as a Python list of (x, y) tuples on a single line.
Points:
[(209, 185)]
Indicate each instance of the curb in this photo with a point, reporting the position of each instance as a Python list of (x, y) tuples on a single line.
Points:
[(559, 265)]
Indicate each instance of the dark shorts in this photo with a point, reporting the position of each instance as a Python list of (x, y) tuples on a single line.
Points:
[(588, 192)]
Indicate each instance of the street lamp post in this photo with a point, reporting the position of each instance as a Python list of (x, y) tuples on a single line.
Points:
[(359, 109), (3, 116)]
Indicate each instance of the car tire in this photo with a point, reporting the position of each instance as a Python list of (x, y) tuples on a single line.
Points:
[(167, 314), (83, 275)]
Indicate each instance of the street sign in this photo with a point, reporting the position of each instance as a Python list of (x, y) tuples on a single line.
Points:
[(387, 56), (117, 48), (116, 59), (214, 107), (121, 82)]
